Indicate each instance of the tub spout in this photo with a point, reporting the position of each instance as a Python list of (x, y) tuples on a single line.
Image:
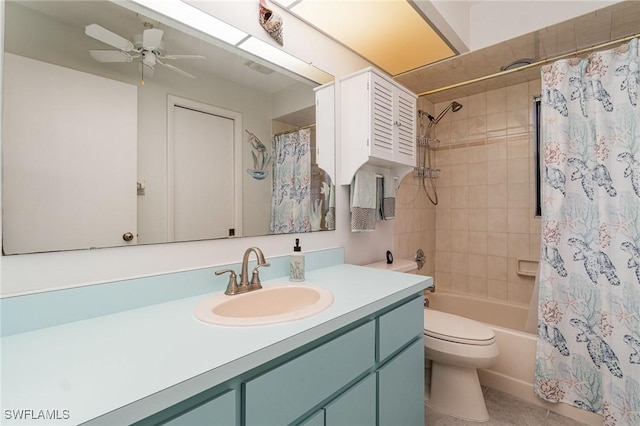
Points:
[(426, 299)]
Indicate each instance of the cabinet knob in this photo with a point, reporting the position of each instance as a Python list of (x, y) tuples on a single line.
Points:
[(127, 236)]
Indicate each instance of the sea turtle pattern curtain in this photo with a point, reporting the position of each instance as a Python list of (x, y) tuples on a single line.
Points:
[(290, 200), (588, 351)]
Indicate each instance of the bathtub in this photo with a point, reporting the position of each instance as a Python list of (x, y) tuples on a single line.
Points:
[(513, 372)]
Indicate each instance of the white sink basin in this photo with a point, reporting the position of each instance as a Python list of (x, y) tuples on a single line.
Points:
[(269, 305)]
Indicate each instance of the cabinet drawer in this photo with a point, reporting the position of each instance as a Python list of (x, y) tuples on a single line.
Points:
[(285, 393), (399, 326), (220, 411)]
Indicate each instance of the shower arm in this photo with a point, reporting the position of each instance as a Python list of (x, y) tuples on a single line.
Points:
[(433, 121)]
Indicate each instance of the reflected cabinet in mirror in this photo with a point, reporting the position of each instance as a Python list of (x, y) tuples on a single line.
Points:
[(124, 127)]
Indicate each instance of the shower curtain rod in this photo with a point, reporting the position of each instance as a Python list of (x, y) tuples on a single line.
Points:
[(294, 130), (535, 64)]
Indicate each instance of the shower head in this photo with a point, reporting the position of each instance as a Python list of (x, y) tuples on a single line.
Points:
[(454, 106)]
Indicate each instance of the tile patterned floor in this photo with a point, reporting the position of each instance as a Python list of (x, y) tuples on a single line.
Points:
[(504, 410)]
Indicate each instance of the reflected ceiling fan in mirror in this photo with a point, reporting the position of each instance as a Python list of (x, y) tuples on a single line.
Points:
[(147, 46)]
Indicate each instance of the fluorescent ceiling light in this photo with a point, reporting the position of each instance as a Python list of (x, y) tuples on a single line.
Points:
[(195, 18), (273, 54), (388, 33)]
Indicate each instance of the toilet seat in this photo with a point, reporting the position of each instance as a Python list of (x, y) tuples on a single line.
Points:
[(452, 328)]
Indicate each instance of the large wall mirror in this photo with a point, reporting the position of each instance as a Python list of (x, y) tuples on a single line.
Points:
[(115, 133)]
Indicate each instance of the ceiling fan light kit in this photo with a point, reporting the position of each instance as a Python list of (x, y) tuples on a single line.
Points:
[(149, 59)]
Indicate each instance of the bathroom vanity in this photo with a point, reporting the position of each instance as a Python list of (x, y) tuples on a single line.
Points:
[(360, 361)]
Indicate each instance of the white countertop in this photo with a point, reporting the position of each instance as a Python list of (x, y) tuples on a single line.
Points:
[(131, 364)]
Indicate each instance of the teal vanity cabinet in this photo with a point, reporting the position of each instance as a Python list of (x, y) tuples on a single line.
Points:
[(399, 381), (401, 388), (372, 375), (288, 392), (367, 373)]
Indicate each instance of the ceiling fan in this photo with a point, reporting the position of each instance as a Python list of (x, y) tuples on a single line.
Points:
[(147, 46)]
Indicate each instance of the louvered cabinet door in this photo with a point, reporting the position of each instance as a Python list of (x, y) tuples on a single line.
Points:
[(382, 127), (405, 127)]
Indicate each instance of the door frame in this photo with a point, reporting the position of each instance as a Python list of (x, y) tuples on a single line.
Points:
[(236, 180)]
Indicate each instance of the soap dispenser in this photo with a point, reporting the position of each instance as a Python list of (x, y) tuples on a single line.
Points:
[(296, 263)]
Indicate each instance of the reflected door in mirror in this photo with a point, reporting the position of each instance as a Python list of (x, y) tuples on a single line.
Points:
[(203, 202), (71, 137)]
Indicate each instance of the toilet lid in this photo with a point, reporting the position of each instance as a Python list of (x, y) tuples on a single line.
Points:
[(453, 328)]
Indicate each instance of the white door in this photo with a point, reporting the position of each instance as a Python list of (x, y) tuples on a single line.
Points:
[(69, 148), (202, 151)]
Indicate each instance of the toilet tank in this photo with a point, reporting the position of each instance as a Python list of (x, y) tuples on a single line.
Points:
[(398, 265)]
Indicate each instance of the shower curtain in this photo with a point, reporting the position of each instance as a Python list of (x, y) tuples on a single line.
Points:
[(290, 200), (588, 352)]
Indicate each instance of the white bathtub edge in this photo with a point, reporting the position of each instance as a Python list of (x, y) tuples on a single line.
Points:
[(524, 391)]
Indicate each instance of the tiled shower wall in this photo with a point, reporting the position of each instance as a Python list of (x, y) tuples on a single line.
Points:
[(484, 220), (415, 224)]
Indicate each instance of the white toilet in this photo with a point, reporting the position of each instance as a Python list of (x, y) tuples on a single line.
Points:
[(457, 347)]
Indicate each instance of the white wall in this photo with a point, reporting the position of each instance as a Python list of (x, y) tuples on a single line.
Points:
[(492, 22)]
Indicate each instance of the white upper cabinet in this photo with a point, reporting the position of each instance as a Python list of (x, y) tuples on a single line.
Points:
[(325, 128), (377, 124)]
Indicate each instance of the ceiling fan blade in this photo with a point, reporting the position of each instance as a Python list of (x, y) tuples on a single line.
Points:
[(111, 56), (108, 37), (176, 69), (151, 38), (182, 57)]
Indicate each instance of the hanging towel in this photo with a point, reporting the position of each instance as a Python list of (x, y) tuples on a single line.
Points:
[(379, 197), (389, 197), (330, 218), (363, 201)]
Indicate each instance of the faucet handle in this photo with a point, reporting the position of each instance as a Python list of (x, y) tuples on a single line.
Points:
[(255, 277), (232, 287)]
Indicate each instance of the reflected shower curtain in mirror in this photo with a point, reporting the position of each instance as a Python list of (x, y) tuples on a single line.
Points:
[(290, 200), (588, 352)]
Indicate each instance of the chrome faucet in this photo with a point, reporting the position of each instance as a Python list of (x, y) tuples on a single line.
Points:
[(233, 287)]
